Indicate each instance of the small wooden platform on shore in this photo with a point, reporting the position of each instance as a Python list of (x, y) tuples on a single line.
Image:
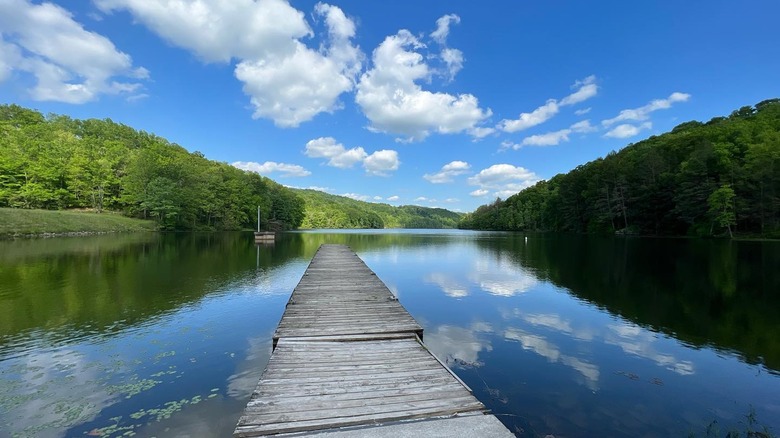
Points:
[(349, 359)]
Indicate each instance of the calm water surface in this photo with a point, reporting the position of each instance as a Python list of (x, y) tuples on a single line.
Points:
[(571, 336)]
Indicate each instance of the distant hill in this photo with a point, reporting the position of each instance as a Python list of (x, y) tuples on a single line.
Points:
[(323, 210), (700, 179)]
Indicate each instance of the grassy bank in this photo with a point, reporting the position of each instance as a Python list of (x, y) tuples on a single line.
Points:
[(19, 222)]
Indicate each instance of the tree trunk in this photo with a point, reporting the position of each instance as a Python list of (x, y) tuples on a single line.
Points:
[(609, 207)]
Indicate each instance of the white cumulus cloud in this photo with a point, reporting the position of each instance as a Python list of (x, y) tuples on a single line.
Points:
[(481, 132), (453, 58), (69, 63), (528, 120), (448, 172), (286, 80), (503, 179), (585, 89), (336, 153), (643, 113), (269, 167), (381, 162), (583, 126), (626, 130), (356, 196), (394, 102), (553, 138), (443, 27), (218, 31), (547, 139), (393, 198)]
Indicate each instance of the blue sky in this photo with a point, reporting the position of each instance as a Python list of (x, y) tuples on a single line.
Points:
[(434, 103)]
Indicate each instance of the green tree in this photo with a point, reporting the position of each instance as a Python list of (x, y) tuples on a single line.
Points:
[(721, 203), (162, 201)]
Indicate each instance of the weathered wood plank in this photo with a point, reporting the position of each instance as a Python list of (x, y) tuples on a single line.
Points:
[(326, 390), (377, 337), (299, 320), (340, 295), (358, 347), (346, 353), (350, 367), (311, 312), (431, 390), (311, 425), (324, 329), (462, 426), (260, 415), (346, 374), (365, 378), (378, 402), (325, 363), (328, 357), (286, 403)]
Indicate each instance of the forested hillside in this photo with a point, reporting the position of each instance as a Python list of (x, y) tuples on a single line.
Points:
[(56, 162), (330, 211), (701, 179)]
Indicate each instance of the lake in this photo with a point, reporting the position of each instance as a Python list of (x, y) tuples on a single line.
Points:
[(167, 335)]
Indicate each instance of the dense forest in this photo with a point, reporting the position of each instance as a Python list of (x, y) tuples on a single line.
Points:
[(56, 162), (330, 211), (700, 179)]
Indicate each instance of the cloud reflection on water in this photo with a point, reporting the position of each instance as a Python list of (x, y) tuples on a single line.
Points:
[(459, 345), (631, 338), (242, 383), (543, 347), (74, 393), (556, 322), (449, 285), (501, 277), (636, 341)]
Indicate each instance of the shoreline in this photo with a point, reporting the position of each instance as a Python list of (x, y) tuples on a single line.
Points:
[(18, 223), (48, 235)]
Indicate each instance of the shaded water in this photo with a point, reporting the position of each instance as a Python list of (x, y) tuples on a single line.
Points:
[(567, 335)]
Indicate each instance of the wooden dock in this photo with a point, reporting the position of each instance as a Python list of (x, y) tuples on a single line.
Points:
[(265, 237), (348, 360)]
